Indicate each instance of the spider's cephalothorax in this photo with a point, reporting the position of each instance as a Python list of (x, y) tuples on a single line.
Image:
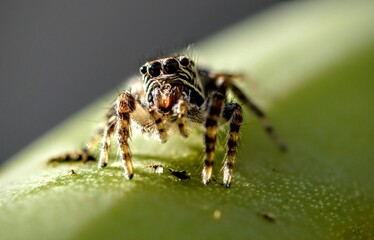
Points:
[(174, 94), (168, 80)]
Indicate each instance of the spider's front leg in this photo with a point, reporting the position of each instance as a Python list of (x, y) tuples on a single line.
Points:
[(125, 105)]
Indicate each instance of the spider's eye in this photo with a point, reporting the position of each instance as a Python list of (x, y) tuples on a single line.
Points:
[(143, 69), (184, 62), (171, 66), (150, 98), (154, 69)]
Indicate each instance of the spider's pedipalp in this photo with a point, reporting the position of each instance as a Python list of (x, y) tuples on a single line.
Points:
[(181, 117), (159, 121)]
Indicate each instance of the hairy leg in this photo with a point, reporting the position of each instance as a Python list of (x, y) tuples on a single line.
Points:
[(86, 153), (232, 112), (214, 108), (125, 105), (261, 115)]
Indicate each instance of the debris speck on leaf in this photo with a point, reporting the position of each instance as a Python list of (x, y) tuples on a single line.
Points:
[(217, 214), (158, 168), (267, 216), (182, 175)]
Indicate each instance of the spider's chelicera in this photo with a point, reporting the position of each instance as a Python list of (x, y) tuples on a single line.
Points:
[(175, 93)]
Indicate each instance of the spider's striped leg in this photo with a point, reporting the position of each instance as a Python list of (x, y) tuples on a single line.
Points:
[(232, 112), (82, 155), (125, 105), (85, 154), (70, 157), (261, 115), (105, 142), (211, 124), (181, 117), (159, 120)]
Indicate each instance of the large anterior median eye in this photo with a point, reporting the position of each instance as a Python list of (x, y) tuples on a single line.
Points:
[(171, 66), (154, 69)]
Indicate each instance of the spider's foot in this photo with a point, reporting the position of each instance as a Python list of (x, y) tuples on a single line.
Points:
[(103, 164), (163, 137), (206, 181), (129, 176), (183, 132), (227, 183), (227, 175), (207, 174)]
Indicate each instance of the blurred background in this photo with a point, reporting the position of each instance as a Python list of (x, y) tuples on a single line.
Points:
[(58, 56)]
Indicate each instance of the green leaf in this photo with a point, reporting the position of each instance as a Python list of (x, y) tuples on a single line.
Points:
[(310, 65)]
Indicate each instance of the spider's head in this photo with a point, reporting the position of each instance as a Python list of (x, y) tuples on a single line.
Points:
[(166, 80)]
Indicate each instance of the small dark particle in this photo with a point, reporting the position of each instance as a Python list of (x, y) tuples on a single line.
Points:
[(267, 216), (72, 172), (182, 175)]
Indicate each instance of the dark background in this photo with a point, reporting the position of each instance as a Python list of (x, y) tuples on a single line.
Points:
[(58, 56)]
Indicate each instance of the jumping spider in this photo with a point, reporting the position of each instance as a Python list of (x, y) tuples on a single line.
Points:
[(174, 94)]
